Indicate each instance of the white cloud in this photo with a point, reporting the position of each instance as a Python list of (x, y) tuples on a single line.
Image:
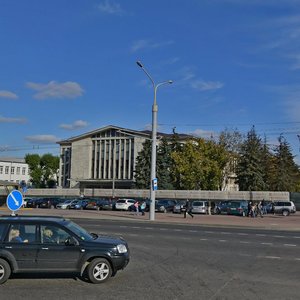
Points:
[(206, 85), (75, 125), (202, 133), (12, 120), (43, 139), (148, 44), (8, 95), (110, 7), (56, 90)]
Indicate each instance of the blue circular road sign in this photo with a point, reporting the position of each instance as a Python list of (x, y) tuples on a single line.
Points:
[(14, 200)]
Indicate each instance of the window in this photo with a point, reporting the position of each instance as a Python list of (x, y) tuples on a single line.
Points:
[(12, 170), (1, 169), (23, 171), (18, 170), (6, 169), (21, 233), (53, 235)]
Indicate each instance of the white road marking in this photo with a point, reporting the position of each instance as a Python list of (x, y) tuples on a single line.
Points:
[(150, 228), (261, 234), (271, 257), (193, 231), (163, 228), (278, 236), (290, 245), (177, 229), (266, 244), (222, 241), (241, 233), (203, 239), (296, 237)]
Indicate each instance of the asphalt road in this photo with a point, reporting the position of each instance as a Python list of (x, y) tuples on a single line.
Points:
[(173, 261)]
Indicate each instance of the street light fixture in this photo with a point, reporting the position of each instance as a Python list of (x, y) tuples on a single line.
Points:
[(153, 183)]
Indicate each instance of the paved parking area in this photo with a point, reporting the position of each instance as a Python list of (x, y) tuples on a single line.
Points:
[(276, 222)]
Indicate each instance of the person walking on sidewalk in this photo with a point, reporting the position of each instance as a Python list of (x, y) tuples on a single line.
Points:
[(188, 209)]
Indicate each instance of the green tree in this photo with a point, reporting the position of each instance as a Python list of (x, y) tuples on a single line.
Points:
[(200, 164), (164, 165), (287, 172), (250, 176), (143, 167), (43, 169)]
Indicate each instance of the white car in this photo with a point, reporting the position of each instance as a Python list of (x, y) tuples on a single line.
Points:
[(65, 205), (123, 204)]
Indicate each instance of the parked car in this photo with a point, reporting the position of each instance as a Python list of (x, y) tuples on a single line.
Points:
[(79, 204), (49, 202), (33, 202), (284, 207), (100, 204), (239, 208), (25, 200), (165, 205), (200, 207), (65, 205), (123, 204), (221, 207), (177, 209), (55, 244)]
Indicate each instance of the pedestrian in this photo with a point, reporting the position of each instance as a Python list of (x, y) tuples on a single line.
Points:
[(188, 209), (260, 209), (136, 205), (143, 207), (249, 209), (264, 207)]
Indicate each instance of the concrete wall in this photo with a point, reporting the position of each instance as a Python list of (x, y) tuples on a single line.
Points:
[(81, 160), (119, 193)]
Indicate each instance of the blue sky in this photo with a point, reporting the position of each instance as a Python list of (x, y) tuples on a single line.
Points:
[(69, 67)]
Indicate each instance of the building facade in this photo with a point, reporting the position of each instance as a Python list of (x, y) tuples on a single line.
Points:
[(106, 158), (103, 158), (14, 170)]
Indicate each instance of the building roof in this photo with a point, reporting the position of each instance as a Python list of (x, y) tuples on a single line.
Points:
[(12, 159), (140, 133), (91, 133)]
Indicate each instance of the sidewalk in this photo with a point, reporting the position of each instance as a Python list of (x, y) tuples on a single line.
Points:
[(274, 222)]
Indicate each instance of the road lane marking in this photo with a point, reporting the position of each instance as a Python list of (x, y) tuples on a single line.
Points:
[(193, 231), (290, 245), (296, 237), (177, 229), (149, 228), (241, 233), (222, 241), (297, 259), (258, 234), (203, 239), (269, 244), (271, 257), (163, 228), (278, 236)]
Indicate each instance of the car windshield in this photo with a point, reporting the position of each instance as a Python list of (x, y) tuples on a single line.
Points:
[(79, 231)]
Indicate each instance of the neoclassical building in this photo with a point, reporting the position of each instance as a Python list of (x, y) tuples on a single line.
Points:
[(103, 158)]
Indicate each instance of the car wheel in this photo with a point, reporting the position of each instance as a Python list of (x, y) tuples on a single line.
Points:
[(99, 270), (4, 270), (285, 213)]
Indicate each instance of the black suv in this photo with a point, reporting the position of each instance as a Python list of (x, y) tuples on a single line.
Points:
[(55, 244)]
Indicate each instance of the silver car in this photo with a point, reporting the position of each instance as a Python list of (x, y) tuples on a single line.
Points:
[(284, 207), (200, 207)]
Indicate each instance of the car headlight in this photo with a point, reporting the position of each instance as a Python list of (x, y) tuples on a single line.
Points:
[(122, 248)]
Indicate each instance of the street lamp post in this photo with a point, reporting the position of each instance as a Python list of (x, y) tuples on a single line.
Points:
[(154, 134)]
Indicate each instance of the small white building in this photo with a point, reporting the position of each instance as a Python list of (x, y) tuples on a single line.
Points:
[(14, 170)]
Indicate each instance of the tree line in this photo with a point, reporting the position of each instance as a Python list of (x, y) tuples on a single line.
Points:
[(206, 164)]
